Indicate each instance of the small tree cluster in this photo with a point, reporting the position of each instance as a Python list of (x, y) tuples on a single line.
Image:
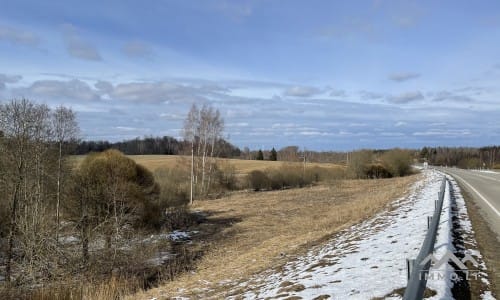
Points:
[(289, 176), (33, 173), (383, 164), (203, 130)]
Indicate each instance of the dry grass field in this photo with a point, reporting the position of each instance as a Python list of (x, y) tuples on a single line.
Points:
[(257, 231), (153, 162)]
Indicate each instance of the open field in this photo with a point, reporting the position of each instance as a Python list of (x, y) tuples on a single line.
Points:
[(258, 231), (153, 162)]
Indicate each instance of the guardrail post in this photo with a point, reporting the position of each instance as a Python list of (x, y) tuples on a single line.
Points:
[(409, 267), (429, 221)]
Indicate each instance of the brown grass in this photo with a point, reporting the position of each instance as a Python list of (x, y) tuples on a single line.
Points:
[(153, 162), (113, 288), (272, 227)]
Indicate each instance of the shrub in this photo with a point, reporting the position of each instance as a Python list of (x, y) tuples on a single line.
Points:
[(115, 184), (258, 180), (377, 170), (174, 185), (226, 176), (358, 162), (397, 162), (469, 163), (291, 176), (179, 217)]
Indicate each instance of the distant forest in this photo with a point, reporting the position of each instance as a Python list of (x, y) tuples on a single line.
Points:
[(153, 145), (463, 157)]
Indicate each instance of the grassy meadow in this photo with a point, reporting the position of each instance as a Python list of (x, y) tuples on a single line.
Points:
[(243, 167)]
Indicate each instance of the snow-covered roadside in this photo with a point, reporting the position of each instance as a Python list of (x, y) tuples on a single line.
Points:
[(366, 260)]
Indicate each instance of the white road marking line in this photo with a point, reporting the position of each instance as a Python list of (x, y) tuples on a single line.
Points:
[(479, 194), (486, 177)]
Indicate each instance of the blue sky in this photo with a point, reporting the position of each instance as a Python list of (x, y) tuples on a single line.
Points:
[(326, 75)]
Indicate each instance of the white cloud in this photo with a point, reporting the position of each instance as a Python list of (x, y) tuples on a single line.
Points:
[(338, 93), (444, 132), (77, 46), (447, 96), (8, 79), (367, 95), (406, 97), (315, 133), (392, 134), (47, 89), (301, 91), (18, 37), (137, 49), (405, 76)]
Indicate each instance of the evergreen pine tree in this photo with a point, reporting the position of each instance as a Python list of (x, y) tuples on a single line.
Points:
[(260, 155), (273, 156)]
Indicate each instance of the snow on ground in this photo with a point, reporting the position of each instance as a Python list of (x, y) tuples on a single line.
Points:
[(176, 235), (366, 260)]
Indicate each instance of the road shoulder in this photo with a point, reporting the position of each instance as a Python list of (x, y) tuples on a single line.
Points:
[(486, 242)]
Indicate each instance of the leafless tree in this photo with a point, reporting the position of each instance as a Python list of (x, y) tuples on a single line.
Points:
[(190, 134), (203, 129), (65, 129), (25, 146)]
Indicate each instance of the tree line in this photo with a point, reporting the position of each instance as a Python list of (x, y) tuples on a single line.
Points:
[(463, 157), (165, 145)]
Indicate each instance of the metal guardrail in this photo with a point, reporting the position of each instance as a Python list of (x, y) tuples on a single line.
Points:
[(417, 272)]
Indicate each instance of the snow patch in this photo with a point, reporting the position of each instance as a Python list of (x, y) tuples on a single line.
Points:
[(69, 240), (368, 259)]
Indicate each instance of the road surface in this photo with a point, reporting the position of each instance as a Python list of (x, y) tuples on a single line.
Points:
[(485, 189)]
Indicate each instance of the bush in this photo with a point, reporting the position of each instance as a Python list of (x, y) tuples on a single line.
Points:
[(226, 176), (258, 180), (377, 170), (397, 162), (470, 163), (174, 185), (288, 176), (179, 217), (358, 162), (114, 184)]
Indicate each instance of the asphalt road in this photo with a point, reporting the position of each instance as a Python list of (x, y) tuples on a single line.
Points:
[(485, 189)]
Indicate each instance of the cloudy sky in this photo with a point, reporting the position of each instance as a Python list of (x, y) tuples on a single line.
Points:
[(326, 75)]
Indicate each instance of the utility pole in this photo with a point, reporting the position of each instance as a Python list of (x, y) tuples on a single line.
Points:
[(304, 175), (192, 173)]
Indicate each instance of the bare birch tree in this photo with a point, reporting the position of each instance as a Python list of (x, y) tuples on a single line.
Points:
[(26, 149), (190, 134), (65, 129), (203, 129)]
